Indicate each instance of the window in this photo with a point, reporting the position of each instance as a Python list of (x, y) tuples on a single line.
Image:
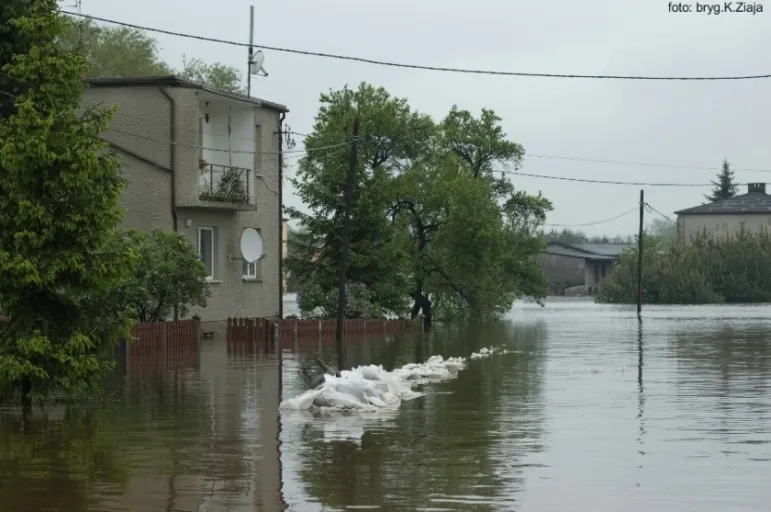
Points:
[(251, 271), (206, 250)]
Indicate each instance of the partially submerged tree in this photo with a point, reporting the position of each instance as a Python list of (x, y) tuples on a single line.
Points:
[(725, 187), (377, 246), (59, 208), (435, 222)]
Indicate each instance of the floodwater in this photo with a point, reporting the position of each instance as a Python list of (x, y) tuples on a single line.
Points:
[(592, 413)]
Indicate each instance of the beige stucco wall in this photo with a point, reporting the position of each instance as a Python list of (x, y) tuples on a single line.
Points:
[(142, 126), (719, 225)]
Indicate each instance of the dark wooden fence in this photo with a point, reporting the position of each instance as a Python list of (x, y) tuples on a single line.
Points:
[(158, 347), (247, 335)]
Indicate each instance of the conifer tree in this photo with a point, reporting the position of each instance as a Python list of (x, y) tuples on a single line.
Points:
[(725, 186), (59, 210)]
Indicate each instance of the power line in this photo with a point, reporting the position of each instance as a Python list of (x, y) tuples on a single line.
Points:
[(641, 164), (234, 151), (415, 66), (657, 211), (592, 223), (608, 182)]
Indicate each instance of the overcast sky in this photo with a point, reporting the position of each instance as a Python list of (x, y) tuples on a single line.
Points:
[(675, 123)]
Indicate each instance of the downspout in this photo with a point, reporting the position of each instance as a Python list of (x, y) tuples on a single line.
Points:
[(281, 215), (173, 166)]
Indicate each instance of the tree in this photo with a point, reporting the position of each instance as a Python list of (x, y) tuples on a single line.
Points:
[(434, 227), (168, 277), (114, 51), (665, 231), (59, 208), (565, 236), (218, 76), (725, 187), (129, 52), (377, 242)]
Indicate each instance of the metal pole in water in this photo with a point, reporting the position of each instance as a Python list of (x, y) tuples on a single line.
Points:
[(640, 257)]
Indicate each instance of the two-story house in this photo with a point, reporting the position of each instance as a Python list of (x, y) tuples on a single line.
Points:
[(205, 163)]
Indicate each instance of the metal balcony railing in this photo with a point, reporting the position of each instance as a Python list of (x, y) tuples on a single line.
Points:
[(224, 183)]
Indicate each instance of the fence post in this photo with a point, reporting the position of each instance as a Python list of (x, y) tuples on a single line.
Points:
[(277, 336), (197, 334), (164, 336), (127, 348)]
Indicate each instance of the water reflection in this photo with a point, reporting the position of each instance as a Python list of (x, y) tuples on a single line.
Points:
[(460, 449), (591, 411)]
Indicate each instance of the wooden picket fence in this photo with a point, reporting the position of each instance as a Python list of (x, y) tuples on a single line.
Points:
[(249, 335), (159, 347)]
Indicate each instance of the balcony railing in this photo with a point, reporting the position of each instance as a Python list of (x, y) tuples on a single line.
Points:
[(224, 184)]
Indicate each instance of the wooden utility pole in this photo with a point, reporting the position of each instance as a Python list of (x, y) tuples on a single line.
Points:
[(640, 257), (346, 239)]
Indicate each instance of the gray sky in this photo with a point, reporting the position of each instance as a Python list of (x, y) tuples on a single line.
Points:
[(678, 123)]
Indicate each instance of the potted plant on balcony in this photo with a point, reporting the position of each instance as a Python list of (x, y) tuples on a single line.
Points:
[(232, 187)]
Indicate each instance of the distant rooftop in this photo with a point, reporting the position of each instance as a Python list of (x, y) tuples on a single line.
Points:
[(586, 250), (755, 201), (177, 81)]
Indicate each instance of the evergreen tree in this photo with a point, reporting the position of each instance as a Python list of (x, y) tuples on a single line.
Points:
[(59, 210), (725, 187)]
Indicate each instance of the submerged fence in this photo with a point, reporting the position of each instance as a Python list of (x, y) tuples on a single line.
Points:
[(260, 333), (159, 347)]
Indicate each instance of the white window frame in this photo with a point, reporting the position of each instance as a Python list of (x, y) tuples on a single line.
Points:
[(251, 271), (200, 254), (251, 268)]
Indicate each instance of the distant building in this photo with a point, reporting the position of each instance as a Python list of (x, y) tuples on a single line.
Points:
[(750, 211), (580, 264), (204, 163)]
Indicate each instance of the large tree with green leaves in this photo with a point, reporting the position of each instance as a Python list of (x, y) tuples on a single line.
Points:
[(725, 187), (59, 208), (394, 134), (129, 52), (437, 222)]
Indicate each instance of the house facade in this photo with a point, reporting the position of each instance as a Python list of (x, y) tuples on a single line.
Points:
[(727, 217), (204, 163), (584, 265), (284, 247)]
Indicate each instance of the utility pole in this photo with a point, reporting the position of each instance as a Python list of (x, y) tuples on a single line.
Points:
[(346, 239), (251, 52), (640, 257)]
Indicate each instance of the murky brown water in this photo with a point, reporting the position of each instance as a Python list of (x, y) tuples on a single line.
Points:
[(685, 426)]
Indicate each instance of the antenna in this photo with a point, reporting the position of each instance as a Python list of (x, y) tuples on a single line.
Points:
[(255, 67), (251, 245)]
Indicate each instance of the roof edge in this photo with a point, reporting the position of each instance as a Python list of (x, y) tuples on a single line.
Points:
[(748, 212), (178, 81)]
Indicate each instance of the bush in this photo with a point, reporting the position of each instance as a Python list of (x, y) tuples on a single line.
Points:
[(169, 276), (710, 270)]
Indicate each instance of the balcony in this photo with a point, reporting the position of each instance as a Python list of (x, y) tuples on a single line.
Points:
[(224, 184)]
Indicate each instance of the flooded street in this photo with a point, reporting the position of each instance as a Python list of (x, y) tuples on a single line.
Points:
[(589, 413)]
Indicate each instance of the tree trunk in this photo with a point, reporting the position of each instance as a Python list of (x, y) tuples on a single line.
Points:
[(422, 304), (26, 389)]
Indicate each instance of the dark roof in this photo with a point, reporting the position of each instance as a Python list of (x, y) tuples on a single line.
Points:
[(587, 250), (750, 203), (176, 81)]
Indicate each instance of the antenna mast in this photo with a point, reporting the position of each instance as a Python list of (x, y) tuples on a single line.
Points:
[(251, 52)]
